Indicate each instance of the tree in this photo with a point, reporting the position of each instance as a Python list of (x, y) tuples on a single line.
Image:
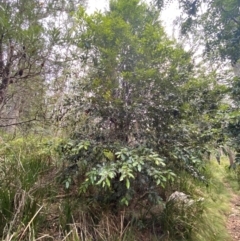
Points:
[(134, 68), (30, 38), (219, 23), (140, 98), (138, 77)]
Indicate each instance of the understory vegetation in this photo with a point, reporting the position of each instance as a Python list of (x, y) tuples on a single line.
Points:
[(43, 198), (109, 127)]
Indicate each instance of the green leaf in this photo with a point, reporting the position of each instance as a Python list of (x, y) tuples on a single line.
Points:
[(109, 155), (127, 183), (122, 177), (164, 179), (123, 157)]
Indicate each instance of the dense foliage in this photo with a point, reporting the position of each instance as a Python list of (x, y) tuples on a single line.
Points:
[(140, 88), (125, 117), (30, 38), (219, 22)]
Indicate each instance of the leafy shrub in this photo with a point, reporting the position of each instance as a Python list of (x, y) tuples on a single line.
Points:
[(116, 175)]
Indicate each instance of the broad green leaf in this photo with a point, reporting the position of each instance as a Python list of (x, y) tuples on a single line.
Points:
[(127, 183), (109, 155)]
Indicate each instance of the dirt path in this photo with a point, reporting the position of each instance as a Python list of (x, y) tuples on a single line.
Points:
[(233, 219)]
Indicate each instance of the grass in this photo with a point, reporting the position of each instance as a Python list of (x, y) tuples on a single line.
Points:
[(34, 206), (217, 205), (208, 223)]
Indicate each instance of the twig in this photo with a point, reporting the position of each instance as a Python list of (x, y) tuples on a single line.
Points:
[(30, 222), (19, 123)]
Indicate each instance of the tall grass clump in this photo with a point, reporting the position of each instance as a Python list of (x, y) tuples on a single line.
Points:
[(217, 197), (24, 161)]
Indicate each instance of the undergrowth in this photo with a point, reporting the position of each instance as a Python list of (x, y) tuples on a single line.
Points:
[(35, 205)]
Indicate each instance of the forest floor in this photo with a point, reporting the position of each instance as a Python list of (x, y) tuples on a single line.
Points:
[(233, 218)]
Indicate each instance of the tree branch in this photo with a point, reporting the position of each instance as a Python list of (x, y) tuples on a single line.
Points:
[(19, 123), (231, 17)]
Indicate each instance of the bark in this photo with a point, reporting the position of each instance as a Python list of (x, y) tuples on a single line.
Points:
[(5, 69)]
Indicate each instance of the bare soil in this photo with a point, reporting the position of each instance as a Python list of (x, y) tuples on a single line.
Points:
[(233, 219)]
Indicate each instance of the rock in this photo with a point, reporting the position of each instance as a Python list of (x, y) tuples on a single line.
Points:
[(180, 197)]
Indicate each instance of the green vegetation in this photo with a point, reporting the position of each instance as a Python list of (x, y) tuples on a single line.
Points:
[(107, 124), (36, 203)]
